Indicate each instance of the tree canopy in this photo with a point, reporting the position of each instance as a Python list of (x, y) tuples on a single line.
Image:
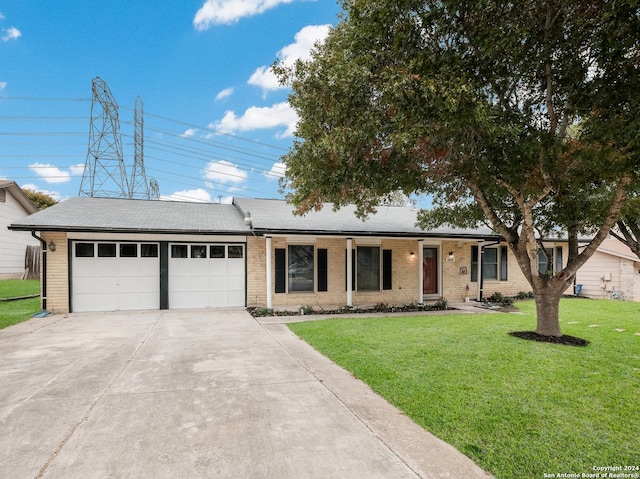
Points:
[(39, 199), (521, 115)]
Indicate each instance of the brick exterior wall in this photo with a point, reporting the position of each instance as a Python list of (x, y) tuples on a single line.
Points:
[(454, 277), (57, 273)]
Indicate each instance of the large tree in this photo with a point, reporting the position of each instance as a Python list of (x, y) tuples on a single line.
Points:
[(501, 110), (39, 199)]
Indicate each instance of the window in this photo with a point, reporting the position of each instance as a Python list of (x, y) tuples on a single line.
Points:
[(494, 263), (490, 263), (300, 270), (550, 260), (235, 252), (295, 266), (198, 251), (217, 252), (84, 250), (128, 250), (368, 268), (106, 250), (149, 250), (178, 250), (366, 271)]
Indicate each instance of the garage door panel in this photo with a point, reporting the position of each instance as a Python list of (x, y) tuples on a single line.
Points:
[(114, 283), (84, 268), (235, 298), (129, 284), (209, 284), (107, 302), (149, 285), (219, 284), (235, 283)]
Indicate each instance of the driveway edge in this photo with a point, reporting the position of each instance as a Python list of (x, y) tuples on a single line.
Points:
[(424, 453)]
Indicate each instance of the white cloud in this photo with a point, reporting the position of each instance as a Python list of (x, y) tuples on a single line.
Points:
[(10, 34), (305, 39), (77, 170), (277, 171), (226, 93), (224, 172), (256, 118), (230, 11), (50, 173), (1, 16), (3, 85), (196, 196), (189, 133)]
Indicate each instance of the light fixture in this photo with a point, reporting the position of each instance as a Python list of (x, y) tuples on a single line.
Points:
[(52, 246), (451, 258), (412, 255)]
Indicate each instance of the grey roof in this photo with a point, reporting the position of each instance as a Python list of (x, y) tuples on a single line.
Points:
[(19, 195), (276, 216), (125, 215)]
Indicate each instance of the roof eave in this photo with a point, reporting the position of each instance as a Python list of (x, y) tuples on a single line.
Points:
[(347, 233)]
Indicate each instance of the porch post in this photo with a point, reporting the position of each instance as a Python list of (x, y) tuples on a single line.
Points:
[(269, 276), (349, 272), (480, 258), (420, 271)]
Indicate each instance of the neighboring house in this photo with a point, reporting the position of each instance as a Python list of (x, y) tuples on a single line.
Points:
[(612, 272), (14, 205), (117, 254)]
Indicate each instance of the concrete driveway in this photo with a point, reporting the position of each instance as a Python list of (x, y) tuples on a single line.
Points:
[(195, 394)]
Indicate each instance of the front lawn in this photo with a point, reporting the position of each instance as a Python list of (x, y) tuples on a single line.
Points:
[(12, 312), (519, 409)]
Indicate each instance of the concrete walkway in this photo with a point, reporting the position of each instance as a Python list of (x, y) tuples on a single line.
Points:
[(196, 394)]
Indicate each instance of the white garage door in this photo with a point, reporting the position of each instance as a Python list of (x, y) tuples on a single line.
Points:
[(206, 275), (113, 276)]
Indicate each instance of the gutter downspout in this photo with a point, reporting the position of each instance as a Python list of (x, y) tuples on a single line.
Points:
[(44, 269)]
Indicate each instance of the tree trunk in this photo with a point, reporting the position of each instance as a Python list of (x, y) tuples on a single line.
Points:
[(548, 309)]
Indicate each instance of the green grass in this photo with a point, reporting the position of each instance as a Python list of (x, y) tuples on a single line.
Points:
[(13, 312), (520, 409)]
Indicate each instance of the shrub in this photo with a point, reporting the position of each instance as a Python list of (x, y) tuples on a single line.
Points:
[(306, 309), (381, 307), (441, 305)]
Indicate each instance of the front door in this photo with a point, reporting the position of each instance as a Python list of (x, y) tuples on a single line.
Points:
[(430, 271)]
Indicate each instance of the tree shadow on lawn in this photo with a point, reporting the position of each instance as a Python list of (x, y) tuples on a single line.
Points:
[(565, 339)]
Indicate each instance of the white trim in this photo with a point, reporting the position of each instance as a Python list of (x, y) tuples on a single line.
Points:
[(349, 272), (269, 273), (420, 271), (301, 240), (143, 237), (368, 241)]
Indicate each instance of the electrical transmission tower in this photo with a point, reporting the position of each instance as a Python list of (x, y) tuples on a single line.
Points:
[(104, 171), (138, 188)]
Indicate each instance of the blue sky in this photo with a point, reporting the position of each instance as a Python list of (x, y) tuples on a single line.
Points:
[(215, 120)]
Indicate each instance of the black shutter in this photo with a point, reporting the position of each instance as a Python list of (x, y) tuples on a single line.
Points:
[(504, 252), (322, 270), (281, 270), (386, 269), (474, 263)]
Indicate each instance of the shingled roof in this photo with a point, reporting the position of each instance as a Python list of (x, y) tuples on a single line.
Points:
[(128, 215), (277, 216), (84, 214)]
